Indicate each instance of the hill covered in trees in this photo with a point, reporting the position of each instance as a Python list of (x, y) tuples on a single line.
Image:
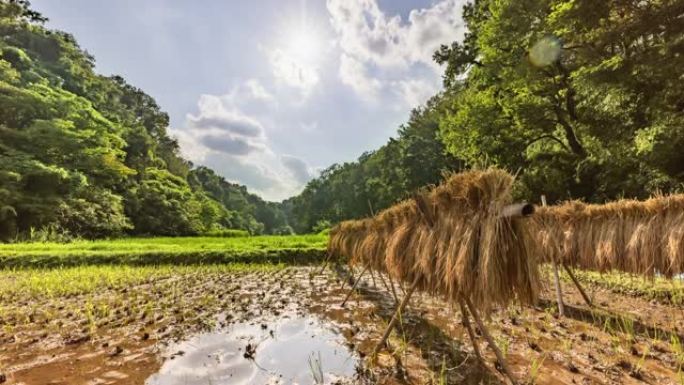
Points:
[(582, 99), (89, 155)]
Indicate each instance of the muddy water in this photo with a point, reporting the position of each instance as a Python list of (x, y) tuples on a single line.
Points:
[(132, 347), (287, 351)]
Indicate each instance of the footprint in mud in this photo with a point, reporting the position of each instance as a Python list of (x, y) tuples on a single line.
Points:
[(299, 350)]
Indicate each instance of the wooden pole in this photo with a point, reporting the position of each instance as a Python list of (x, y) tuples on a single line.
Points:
[(358, 279), (490, 340), (328, 257), (469, 328), (556, 278), (373, 278), (325, 264), (395, 318), (577, 284), (559, 293), (384, 283), (394, 291)]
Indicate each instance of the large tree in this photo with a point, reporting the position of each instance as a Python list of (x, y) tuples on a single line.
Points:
[(581, 97)]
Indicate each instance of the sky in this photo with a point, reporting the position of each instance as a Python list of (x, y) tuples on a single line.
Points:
[(270, 92)]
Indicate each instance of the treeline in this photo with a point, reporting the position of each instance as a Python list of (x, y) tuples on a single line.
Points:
[(416, 158), (87, 155), (582, 99)]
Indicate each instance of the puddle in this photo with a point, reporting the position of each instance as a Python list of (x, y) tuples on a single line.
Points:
[(287, 351)]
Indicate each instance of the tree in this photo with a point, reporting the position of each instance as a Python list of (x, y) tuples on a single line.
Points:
[(576, 96)]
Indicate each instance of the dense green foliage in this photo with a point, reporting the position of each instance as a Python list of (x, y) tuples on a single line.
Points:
[(247, 211), (582, 99), (89, 156), (166, 250)]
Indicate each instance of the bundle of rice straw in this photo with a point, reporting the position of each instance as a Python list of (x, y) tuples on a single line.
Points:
[(638, 237), (452, 240)]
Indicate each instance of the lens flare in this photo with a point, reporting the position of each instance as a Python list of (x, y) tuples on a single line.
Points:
[(545, 51)]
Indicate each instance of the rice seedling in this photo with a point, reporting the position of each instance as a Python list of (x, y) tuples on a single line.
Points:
[(640, 364), (535, 366), (660, 289), (443, 380), (162, 250), (677, 349), (626, 324), (505, 344)]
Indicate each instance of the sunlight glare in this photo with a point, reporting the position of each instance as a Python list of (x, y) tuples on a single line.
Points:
[(304, 44)]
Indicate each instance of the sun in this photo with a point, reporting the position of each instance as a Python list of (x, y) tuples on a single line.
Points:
[(304, 44)]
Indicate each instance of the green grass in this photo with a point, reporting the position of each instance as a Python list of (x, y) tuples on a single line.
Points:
[(228, 233), (669, 291), (159, 251), (60, 282)]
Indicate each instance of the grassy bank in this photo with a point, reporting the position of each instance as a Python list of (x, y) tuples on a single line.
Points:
[(157, 251), (667, 291)]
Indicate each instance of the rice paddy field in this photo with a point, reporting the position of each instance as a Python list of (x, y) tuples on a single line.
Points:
[(155, 251), (261, 310)]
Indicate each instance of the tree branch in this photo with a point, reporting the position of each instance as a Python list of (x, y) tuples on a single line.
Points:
[(547, 136), (570, 136)]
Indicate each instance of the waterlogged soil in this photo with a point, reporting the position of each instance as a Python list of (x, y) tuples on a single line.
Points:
[(289, 326), (286, 351)]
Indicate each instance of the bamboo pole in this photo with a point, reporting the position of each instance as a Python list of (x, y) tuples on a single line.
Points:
[(559, 293), (325, 264), (469, 328), (384, 283), (490, 340), (395, 318), (373, 278), (556, 278), (358, 279), (394, 291), (577, 284)]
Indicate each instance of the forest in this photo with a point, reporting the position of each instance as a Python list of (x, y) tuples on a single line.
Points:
[(83, 155), (580, 100)]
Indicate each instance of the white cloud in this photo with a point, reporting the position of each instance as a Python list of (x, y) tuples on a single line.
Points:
[(371, 36), (293, 72), (309, 127), (365, 32), (231, 145), (353, 73), (415, 92), (221, 127), (257, 91), (381, 52), (214, 115), (429, 28), (235, 144), (256, 174), (298, 169)]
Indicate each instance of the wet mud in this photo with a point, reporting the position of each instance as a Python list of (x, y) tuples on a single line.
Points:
[(289, 327)]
